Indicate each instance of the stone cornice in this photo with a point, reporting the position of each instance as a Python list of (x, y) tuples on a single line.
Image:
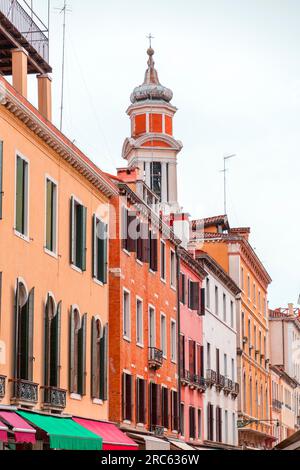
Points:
[(192, 263), (53, 138), (209, 263)]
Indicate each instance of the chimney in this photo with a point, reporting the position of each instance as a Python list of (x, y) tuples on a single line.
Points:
[(45, 95), (20, 70), (291, 310)]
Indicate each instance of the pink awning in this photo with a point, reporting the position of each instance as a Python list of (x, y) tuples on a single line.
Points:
[(113, 437), (3, 432), (24, 433)]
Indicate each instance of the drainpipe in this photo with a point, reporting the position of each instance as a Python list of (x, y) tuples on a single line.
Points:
[(178, 341)]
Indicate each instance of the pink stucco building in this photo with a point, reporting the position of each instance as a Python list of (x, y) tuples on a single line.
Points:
[(192, 307)]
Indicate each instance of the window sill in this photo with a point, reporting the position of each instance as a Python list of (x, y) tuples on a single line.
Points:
[(140, 345), (50, 253), (173, 288), (126, 252), (75, 396), (173, 361), (78, 270), (99, 283), (126, 421), (140, 425), (139, 262), (127, 339), (151, 271), (97, 401), (163, 280), (23, 237)]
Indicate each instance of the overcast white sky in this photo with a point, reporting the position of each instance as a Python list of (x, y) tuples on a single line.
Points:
[(234, 68)]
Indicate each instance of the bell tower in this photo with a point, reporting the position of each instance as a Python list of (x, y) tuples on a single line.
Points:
[(152, 148)]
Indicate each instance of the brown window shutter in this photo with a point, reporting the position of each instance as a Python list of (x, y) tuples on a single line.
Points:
[(30, 318), (72, 231), (144, 233), (17, 329), (58, 342), (195, 296), (94, 373), (82, 353), (166, 408), (192, 356), (128, 397), (153, 251), (131, 231), (137, 400), (202, 303), (124, 396), (144, 402), (158, 405), (182, 353), (124, 228), (150, 398), (47, 345), (104, 363), (72, 372)]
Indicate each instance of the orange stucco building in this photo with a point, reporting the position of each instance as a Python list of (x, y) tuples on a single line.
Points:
[(232, 250), (54, 291)]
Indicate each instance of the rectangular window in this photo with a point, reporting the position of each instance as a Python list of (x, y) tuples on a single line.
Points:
[(139, 322), (248, 286), (141, 407), (182, 427), (126, 314), (232, 370), (173, 341), (216, 300), (155, 406), (242, 278), (194, 296), (153, 250), (78, 234), (100, 244), (127, 397), (249, 336), (225, 365), (152, 336), (51, 215), (163, 334), (224, 308), (21, 222), (200, 367), (165, 407), (192, 357), (174, 410), (182, 353), (192, 422), (173, 269), (207, 293), (129, 230), (233, 429), (254, 294), (1, 177), (199, 435), (226, 426), (208, 356), (163, 260), (231, 314), (218, 424), (182, 288), (210, 422)]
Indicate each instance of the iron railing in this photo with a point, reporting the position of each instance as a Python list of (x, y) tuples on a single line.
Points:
[(30, 27), (2, 386), (228, 385), (24, 391), (277, 405), (155, 358), (211, 377), (235, 389), (54, 397)]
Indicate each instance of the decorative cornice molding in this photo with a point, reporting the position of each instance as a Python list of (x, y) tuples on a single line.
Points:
[(53, 138), (131, 143), (209, 263), (192, 263)]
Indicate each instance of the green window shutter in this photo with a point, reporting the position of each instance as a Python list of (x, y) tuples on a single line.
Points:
[(58, 342), (50, 215), (94, 373), (16, 329), (1, 177), (46, 344), (72, 371), (94, 248), (104, 362), (105, 254), (20, 203), (124, 228), (102, 251), (30, 328), (72, 231), (82, 356), (83, 238)]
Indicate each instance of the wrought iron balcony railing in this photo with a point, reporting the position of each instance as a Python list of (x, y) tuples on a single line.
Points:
[(228, 385), (277, 405), (24, 391), (2, 386), (155, 358), (157, 430), (235, 390), (199, 382), (185, 377), (54, 398), (220, 381), (211, 377)]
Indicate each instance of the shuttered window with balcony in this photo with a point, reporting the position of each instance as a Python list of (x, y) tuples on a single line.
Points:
[(165, 407), (192, 422), (52, 343), (77, 371), (127, 396), (155, 406), (99, 360), (192, 357), (141, 404)]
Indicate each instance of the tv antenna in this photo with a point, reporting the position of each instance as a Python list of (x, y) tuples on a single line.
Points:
[(225, 169), (63, 10)]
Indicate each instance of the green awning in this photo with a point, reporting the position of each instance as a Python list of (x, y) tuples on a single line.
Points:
[(64, 433)]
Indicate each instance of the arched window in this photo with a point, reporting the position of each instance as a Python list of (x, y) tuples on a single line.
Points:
[(24, 313), (99, 359), (52, 343), (77, 352)]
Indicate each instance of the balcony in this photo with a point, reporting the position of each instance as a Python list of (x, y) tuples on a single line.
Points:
[(185, 377), (155, 358), (220, 382), (2, 386), (24, 392), (199, 383), (54, 398), (211, 377), (235, 390), (276, 404), (228, 386)]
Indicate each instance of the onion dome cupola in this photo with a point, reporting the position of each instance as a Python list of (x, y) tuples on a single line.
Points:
[(151, 146)]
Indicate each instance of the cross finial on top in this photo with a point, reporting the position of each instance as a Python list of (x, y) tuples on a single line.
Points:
[(150, 37)]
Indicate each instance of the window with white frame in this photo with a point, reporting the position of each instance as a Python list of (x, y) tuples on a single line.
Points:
[(152, 336), (139, 322), (173, 268), (51, 215), (173, 341), (224, 308), (248, 286), (126, 314), (163, 334), (231, 314), (78, 234), (242, 278), (22, 190), (216, 300), (207, 292), (100, 247)]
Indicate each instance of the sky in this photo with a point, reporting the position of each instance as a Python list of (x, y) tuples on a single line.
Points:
[(234, 68)]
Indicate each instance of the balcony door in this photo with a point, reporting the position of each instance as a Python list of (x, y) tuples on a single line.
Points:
[(52, 342)]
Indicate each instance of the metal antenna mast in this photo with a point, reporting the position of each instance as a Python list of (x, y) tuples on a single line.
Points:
[(225, 158), (64, 11)]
